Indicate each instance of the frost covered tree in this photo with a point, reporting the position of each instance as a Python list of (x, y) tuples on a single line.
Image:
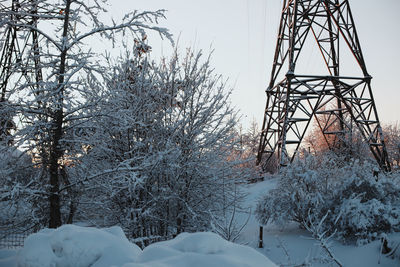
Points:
[(347, 141), (167, 129), (52, 106), (246, 149), (250, 143), (392, 140)]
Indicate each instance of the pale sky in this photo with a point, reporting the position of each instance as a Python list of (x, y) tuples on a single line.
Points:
[(243, 36)]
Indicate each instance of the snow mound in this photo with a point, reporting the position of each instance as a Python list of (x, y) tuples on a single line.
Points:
[(7, 258), (198, 250), (76, 246)]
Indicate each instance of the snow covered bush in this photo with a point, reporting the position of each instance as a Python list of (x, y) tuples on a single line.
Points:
[(22, 200), (367, 207), (355, 204), (303, 187)]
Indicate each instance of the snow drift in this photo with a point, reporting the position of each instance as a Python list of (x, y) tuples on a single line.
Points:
[(75, 246), (198, 250), (72, 245)]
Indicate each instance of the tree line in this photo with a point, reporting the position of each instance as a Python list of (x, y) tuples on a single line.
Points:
[(89, 138)]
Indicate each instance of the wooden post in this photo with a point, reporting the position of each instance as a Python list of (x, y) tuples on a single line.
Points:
[(260, 241)]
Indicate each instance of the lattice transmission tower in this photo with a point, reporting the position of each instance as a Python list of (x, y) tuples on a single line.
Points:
[(19, 55), (342, 98)]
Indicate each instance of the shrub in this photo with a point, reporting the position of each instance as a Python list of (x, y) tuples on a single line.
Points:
[(356, 205), (367, 208)]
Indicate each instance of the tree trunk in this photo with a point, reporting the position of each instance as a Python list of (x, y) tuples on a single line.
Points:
[(56, 152)]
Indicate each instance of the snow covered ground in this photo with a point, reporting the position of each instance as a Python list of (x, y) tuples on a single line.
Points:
[(75, 246), (291, 246), (72, 245)]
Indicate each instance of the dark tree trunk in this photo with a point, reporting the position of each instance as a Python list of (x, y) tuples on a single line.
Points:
[(179, 219), (56, 152), (178, 225)]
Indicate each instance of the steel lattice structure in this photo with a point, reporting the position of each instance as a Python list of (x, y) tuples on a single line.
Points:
[(15, 44), (294, 100), (19, 53)]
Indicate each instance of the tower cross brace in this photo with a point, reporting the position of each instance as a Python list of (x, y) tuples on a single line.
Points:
[(294, 98)]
